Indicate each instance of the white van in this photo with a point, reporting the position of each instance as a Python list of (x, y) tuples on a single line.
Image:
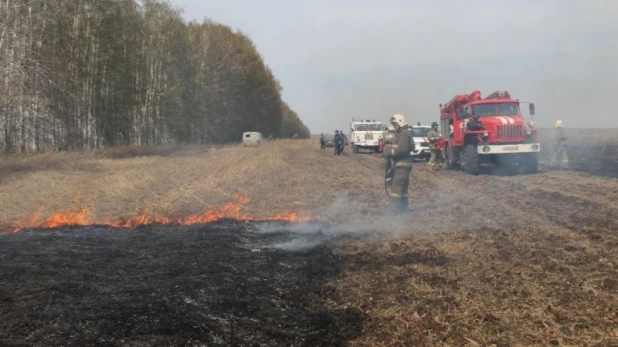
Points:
[(252, 138)]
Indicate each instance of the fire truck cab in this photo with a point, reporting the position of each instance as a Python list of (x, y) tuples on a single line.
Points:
[(366, 134), (489, 131)]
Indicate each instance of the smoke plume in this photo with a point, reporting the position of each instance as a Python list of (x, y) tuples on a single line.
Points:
[(342, 219)]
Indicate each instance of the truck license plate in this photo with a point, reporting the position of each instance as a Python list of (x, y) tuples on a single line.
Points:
[(510, 148)]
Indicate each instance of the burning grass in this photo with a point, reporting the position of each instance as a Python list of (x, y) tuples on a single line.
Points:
[(76, 217), (180, 189), (481, 260)]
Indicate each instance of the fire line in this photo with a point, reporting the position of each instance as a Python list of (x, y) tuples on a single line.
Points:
[(76, 217)]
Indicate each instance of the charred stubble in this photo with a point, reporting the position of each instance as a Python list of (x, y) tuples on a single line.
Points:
[(490, 259)]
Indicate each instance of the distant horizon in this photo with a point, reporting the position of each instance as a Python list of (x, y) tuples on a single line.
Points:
[(375, 59)]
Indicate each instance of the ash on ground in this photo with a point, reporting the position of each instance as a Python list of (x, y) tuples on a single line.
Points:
[(167, 285)]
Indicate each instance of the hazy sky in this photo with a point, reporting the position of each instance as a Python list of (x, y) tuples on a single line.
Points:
[(370, 59)]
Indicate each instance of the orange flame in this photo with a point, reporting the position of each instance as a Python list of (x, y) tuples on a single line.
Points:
[(32, 219), (69, 219), (82, 217)]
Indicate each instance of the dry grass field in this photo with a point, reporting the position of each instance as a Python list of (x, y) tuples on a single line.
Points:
[(590, 150), (478, 261)]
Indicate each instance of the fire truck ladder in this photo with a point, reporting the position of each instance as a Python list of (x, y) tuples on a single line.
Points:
[(499, 95)]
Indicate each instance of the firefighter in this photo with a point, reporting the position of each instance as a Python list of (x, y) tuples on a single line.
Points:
[(400, 151), (560, 157), (344, 140), (386, 140), (337, 143), (389, 136), (436, 154), (322, 141)]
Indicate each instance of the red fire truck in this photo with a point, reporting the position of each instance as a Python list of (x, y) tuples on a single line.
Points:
[(488, 131)]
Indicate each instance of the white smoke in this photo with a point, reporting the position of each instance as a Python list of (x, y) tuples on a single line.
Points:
[(344, 218)]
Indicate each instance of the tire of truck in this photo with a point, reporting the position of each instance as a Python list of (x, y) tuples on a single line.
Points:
[(355, 149), (471, 160), (447, 160), (530, 163), (452, 159)]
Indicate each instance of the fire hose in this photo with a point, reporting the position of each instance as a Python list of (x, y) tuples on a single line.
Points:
[(388, 176)]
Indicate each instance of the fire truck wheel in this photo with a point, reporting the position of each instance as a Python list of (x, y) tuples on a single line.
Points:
[(531, 163), (355, 149), (471, 160), (452, 159), (446, 158)]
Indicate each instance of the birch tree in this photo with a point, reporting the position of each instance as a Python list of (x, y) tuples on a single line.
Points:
[(82, 74)]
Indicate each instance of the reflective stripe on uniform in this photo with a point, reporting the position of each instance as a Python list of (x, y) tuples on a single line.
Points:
[(395, 195), (403, 164)]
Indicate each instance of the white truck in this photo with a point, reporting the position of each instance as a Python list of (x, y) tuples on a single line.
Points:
[(421, 142), (366, 134), (252, 138)]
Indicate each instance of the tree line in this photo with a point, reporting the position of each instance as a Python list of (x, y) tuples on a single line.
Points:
[(82, 74)]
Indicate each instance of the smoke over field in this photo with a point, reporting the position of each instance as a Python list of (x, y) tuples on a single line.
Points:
[(286, 244), (593, 151)]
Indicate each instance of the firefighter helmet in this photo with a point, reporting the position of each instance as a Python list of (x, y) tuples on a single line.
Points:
[(559, 124), (434, 125), (399, 119)]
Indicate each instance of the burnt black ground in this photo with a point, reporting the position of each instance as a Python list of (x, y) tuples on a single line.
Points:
[(166, 285)]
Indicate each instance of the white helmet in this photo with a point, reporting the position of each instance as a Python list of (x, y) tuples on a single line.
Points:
[(399, 119), (559, 124)]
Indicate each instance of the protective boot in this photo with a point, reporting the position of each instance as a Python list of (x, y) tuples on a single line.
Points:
[(403, 205), (394, 207)]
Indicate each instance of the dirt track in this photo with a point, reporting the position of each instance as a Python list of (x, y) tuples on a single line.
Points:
[(529, 260)]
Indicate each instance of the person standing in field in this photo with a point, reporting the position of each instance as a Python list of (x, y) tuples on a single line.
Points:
[(344, 140), (389, 135), (560, 158), (337, 143), (322, 141), (434, 137), (400, 151)]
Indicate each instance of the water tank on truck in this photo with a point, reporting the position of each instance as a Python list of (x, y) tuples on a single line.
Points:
[(489, 131)]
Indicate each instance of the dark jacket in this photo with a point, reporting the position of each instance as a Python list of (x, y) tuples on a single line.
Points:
[(338, 140), (404, 144)]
